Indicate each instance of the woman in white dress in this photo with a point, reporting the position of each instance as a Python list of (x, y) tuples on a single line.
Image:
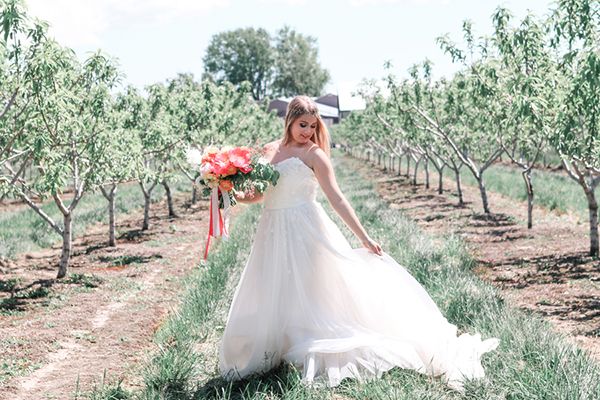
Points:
[(307, 297)]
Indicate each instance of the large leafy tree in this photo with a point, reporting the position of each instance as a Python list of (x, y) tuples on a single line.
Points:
[(240, 55), (576, 137), (297, 69), (529, 93), (285, 65)]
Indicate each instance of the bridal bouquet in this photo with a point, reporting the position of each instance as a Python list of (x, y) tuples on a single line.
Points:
[(224, 170)]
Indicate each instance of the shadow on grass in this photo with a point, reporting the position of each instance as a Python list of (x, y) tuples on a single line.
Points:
[(20, 296), (133, 235), (277, 382), (551, 268), (128, 259), (492, 220), (92, 248)]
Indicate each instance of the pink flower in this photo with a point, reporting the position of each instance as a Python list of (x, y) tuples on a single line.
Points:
[(240, 157), (247, 168)]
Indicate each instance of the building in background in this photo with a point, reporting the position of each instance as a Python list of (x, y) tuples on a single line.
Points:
[(329, 108)]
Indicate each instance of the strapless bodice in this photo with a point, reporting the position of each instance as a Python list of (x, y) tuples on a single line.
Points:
[(297, 185)]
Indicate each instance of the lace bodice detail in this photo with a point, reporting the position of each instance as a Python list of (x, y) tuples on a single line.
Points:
[(297, 185)]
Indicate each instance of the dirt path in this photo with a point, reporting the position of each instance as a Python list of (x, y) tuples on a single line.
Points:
[(545, 269), (103, 319)]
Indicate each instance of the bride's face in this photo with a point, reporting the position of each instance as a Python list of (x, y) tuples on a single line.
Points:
[(303, 128)]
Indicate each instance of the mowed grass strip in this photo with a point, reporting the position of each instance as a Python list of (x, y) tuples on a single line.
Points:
[(554, 191), (532, 362), (24, 231)]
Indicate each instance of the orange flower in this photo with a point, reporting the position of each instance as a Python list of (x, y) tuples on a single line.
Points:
[(226, 185), (230, 169)]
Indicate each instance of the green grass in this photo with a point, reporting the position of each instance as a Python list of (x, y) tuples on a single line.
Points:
[(174, 370), (24, 230), (552, 190), (531, 363), (17, 365)]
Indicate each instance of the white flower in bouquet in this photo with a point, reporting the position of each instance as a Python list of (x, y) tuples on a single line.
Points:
[(193, 156)]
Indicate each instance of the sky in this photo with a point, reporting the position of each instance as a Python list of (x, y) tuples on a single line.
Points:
[(153, 40)]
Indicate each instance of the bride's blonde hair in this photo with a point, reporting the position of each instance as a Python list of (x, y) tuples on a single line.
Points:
[(304, 105)]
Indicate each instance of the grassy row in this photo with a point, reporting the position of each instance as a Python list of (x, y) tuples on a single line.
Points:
[(552, 190), (24, 230), (532, 362)]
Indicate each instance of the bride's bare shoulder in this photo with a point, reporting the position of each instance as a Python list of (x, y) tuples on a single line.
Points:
[(318, 158), (271, 146)]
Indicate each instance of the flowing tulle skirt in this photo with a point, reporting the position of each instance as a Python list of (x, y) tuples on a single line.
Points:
[(306, 297)]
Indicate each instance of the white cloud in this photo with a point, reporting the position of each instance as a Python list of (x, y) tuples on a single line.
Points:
[(285, 2), (82, 22), (361, 3), (72, 22), (344, 91)]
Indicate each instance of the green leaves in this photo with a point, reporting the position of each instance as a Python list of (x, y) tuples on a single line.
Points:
[(240, 55), (285, 65), (578, 134), (297, 69)]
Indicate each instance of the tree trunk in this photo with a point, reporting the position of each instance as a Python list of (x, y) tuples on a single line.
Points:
[(426, 173), (172, 213), (112, 226), (110, 196), (482, 191), (529, 188), (407, 166), (194, 194), (440, 188), (593, 212), (66, 247), (146, 223), (458, 187), (414, 179), (399, 165), (147, 198)]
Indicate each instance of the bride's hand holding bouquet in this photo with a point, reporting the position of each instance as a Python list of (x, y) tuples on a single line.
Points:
[(228, 174)]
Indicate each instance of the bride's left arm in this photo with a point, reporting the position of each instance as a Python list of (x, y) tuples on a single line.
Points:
[(324, 172)]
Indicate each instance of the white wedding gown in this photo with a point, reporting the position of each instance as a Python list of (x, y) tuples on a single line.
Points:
[(305, 296)]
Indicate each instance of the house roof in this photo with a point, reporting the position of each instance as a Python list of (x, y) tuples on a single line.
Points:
[(324, 110)]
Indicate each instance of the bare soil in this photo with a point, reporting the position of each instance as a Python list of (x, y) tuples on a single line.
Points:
[(545, 270), (63, 337)]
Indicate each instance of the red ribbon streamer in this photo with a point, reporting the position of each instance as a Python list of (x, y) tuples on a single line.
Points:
[(222, 229)]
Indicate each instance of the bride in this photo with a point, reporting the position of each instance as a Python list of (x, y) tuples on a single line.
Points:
[(308, 298)]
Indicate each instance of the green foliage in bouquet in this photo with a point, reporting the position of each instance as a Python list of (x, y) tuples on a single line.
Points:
[(258, 180), (262, 175)]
